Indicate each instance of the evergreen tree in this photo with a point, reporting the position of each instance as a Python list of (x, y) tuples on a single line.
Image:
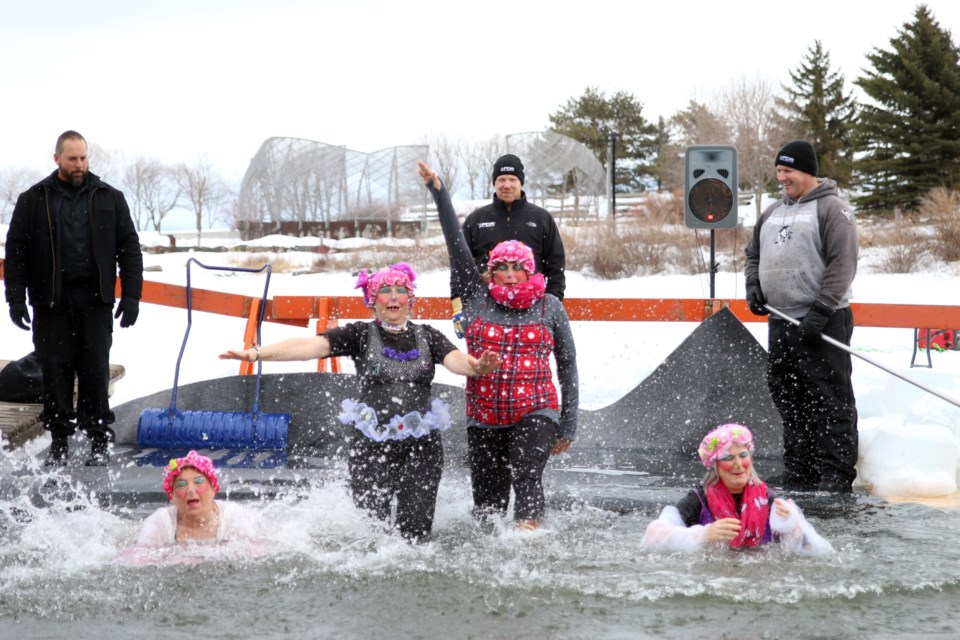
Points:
[(910, 134), (662, 150), (816, 109), (593, 118)]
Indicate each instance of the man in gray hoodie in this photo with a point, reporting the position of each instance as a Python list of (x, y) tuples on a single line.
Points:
[(801, 261)]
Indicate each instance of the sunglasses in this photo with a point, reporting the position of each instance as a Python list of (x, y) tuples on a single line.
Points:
[(503, 266)]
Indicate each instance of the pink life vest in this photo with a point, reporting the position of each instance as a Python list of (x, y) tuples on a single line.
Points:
[(523, 383)]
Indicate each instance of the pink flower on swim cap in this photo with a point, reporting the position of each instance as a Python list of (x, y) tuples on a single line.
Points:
[(203, 464), (717, 443), (396, 274), (512, 251)]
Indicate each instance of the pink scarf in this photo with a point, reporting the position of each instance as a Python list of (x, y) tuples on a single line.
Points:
[(754, 511), (521, 295)]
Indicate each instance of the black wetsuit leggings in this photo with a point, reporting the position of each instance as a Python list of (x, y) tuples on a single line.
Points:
[(514, 456), (408, 470)]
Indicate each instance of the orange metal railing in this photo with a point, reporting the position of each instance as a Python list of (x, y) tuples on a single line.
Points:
[(329, 310)]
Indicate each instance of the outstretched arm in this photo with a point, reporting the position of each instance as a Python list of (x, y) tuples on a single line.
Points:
[(466, 365), (292, 349)]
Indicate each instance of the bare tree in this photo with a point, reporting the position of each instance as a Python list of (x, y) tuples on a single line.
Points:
[(229, 212), (697, 124), (203, 187), (13, 182), (478, 159), (105, 163), (153, 191), (227, 208), (445, 157), (748, 108)]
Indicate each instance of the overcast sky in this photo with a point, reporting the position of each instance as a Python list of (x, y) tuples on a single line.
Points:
[(181, 78)]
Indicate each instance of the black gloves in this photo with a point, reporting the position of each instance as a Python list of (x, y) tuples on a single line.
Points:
[(20, 315), (127, 311), (755, 298), (813, 324)]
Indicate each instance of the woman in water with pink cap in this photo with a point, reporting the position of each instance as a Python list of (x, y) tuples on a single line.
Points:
[(194, 513), (733, 506)]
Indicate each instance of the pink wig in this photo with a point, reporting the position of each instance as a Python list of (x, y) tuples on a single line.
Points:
[(396, 274)]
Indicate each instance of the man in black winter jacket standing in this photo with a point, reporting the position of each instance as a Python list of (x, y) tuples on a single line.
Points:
[(68, 234), (511, 217)]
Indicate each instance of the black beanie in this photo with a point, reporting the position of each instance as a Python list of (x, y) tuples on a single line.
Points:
[(799, 155), (510, 165)]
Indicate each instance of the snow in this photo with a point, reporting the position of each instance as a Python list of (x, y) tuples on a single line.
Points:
[(909, 439)]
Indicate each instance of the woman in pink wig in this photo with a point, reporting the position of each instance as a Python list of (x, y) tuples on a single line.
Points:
[(394, 446)]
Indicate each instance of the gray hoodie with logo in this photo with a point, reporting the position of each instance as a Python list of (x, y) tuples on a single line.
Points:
[(805, 251)]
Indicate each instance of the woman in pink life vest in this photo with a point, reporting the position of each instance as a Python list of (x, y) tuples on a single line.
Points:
[(515, 417)]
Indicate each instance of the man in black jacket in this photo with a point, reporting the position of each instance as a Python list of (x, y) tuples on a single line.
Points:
[(68, 234), (511, 217)]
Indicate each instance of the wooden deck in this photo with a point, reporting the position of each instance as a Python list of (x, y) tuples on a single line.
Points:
[(19, 422)]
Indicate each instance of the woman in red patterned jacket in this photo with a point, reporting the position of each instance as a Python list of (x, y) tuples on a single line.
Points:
[(515, 418)]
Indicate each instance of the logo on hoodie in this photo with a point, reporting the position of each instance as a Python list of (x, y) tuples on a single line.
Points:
[(783, 235)]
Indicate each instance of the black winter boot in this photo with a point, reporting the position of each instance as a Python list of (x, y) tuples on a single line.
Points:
[(99, 452), (59, 451), (831, 485)]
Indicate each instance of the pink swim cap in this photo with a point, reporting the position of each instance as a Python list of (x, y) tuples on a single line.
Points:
[(716, 443), (203, 464), (513, 251)]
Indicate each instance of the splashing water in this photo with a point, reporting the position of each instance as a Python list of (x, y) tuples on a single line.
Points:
[(327, 570)]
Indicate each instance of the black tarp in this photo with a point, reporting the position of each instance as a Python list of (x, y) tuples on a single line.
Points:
[(22, 380), (717, 375)]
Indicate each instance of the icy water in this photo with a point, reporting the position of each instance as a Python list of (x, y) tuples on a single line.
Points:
[(328, 572)]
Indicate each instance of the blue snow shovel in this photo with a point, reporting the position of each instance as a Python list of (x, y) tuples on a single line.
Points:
[(172, 428)]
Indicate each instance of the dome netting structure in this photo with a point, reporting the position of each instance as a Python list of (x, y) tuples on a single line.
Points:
[(562, 174), (303, 187)]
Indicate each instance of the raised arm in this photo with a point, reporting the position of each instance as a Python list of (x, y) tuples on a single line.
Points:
[(463, 269)]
